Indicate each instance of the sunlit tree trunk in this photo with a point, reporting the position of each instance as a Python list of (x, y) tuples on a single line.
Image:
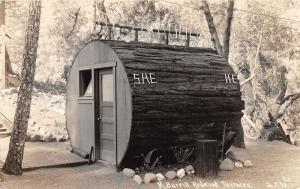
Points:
[(13, 162), (212, 29), (228, 28)]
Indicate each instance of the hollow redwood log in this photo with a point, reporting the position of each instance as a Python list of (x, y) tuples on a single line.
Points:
[(190, 101), (172, 95)]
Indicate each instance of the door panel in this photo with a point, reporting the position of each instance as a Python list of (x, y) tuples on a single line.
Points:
[(106, 115), (107, 87)]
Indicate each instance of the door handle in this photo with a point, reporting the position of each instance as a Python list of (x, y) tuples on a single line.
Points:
[(99, 118)]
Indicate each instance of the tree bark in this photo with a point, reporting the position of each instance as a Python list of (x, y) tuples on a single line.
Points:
[(212, 29), (189, 100), (286, 102), (227, 28), (290, 97), (102, 8), (206, 162), (2, 46), (282, 83), (13, 162), (75, 23), (253, 72), (163, 37)]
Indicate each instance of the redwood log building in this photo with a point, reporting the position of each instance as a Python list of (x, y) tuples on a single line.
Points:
[(127, 98)]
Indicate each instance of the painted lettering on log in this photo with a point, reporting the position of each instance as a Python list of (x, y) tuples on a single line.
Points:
[(144, 78), (231, 78)]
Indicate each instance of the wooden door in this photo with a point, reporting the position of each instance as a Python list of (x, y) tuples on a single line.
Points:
[(105, 116)]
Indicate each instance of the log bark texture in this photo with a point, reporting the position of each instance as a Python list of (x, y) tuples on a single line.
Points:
[(206, 158), (13, 162), (191, 100)]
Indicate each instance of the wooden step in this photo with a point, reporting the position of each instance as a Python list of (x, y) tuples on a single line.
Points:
[(2, 130), (4, 134)]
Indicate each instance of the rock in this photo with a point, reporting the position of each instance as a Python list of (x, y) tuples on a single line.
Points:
[(61, 138), (160, 177), (49, 138), (227, 165), (128, 172), (238, 164), (231, 155), (240, 154), (13, 91), (137, 179), (222, 173), (180, 173), (31, 123), (36, 138), (248, 163), (189, 170), (149, 177), (171, 175), (5, 92), (296, 142)]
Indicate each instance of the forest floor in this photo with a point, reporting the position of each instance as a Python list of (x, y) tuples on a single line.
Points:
[(276, 165)]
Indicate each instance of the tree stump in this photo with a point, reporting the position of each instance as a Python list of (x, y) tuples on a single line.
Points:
[(206, 162)]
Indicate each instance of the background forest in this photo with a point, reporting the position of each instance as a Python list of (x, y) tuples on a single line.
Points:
[(264, 45)]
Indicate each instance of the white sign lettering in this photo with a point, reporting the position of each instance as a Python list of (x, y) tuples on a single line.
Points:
[(231, 78), (144, 78)]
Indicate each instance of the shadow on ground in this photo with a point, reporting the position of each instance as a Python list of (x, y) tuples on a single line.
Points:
[(276, 165)]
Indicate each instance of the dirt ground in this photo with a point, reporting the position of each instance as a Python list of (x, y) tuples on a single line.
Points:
[(276, 165)]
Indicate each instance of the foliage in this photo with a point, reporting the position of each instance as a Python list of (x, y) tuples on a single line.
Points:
[(275, 73), (16, 19), (73, 26), (148, 162), (182, 154), (277, 36)]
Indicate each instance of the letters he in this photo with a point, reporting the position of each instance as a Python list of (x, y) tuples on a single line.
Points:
[(230, 78)]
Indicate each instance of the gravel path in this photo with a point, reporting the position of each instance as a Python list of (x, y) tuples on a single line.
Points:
[(276, 165)]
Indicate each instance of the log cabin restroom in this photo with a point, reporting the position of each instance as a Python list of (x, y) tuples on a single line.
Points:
[(126, 98)]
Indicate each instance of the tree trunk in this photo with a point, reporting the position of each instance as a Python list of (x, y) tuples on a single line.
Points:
[(13, 162), (165, 21), (2, 46), (206, 162), (223, 51), (227, 28), (102, 8), (212, 29), (239, 139)]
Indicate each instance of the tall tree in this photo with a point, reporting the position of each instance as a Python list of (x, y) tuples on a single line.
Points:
[(228, 28), (212, 29), (101, 9), (222, 50), (2, 45), (13, 162)]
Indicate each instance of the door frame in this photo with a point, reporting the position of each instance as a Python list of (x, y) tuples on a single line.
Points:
[(96, 70)]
